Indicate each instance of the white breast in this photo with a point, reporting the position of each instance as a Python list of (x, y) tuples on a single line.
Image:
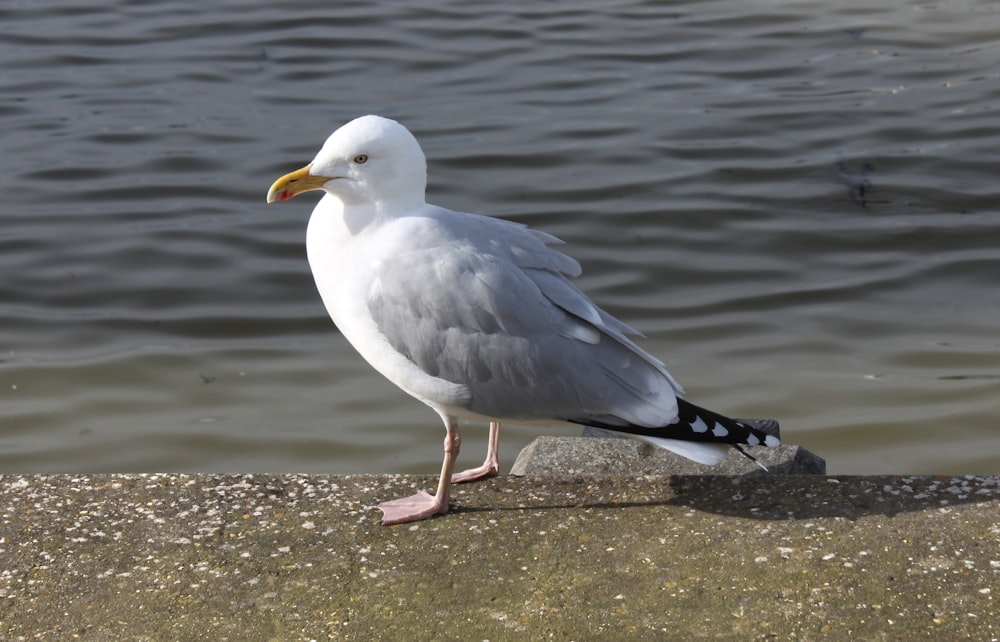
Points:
[(342, 262)]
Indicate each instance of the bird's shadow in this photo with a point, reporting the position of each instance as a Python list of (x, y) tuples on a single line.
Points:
[(757, 496)]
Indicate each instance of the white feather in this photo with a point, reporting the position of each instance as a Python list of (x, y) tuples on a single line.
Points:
[(701, 452)]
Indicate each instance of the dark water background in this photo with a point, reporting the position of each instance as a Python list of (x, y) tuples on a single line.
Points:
[(798, 203)]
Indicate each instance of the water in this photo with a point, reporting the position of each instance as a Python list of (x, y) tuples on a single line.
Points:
[(796, 201)]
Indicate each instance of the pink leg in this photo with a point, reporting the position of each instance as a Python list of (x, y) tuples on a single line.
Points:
[(423, 505), (490, 467)]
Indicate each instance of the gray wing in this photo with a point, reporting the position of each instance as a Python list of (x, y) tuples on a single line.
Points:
[(488, 305)]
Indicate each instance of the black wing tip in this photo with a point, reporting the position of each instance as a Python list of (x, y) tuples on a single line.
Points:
[(698, 424), (751, 432), (766, 426)]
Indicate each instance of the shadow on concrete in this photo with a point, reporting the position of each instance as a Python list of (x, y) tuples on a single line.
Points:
[(754, 496)]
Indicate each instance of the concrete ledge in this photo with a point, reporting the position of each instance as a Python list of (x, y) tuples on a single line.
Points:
[(576, 457), (303, 557)]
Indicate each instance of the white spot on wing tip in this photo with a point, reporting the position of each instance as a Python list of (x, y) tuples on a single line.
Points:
[(753, 440), (719, 430), (698, 425), (771, 441)]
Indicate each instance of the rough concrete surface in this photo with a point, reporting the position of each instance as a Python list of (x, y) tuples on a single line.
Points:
[(303, 557), (600, 457)]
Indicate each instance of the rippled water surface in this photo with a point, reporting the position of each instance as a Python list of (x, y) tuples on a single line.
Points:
[(797, 202)]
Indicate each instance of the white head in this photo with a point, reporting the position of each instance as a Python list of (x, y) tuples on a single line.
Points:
[(370, 161)]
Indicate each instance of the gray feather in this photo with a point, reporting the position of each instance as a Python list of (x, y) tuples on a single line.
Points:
[(492, 309)]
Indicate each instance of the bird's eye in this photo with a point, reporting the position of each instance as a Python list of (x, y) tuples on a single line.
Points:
[(361, 159)]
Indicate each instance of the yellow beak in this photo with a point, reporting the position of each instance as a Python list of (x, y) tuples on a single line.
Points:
[(293, 184)]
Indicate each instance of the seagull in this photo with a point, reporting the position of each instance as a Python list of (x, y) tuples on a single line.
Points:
[(477, 317)]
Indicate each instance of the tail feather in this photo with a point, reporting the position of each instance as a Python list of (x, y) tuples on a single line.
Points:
[(695, 424), (705, 453)]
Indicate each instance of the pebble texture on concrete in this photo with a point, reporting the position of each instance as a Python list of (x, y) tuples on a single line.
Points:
[(617, 457), (303, 557)]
